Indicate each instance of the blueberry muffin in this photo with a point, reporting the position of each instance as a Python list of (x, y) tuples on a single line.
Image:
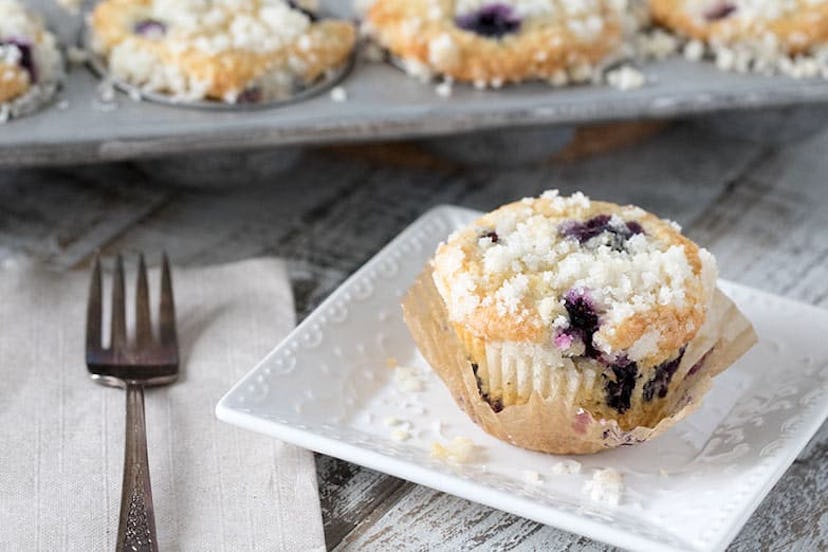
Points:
[(247, 51), (787, 26), (570, 312), (492, 42), (31, 66)]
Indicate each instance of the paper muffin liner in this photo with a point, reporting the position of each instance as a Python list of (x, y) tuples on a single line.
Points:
[(509, 373), (558, 424)]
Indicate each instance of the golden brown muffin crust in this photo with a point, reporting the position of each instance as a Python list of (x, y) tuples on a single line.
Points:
[(542, 48)]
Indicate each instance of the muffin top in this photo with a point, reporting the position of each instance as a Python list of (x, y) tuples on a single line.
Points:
[(241, 51), (28, 53), (498, 41), (590, 278), (212, 26), (793, 26)]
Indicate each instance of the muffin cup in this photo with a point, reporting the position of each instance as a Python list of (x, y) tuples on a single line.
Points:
[(558, 423)]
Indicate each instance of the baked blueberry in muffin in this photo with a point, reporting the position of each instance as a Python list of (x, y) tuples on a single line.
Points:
[(492, 42), (566, 325), (245, 51), (783, 26), (30, 63)]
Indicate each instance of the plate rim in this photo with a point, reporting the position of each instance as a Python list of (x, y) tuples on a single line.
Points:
[(481, 493)]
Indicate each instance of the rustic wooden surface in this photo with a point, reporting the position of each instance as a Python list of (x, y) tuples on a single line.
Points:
[(761, 208)]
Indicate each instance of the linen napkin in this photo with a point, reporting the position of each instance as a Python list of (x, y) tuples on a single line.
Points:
[(62, 436)]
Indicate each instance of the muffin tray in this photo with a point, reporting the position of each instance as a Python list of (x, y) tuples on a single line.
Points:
[(329, 387), (382, 103)]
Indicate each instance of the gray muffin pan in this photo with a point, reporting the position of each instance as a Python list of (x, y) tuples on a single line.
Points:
[(383, 103)]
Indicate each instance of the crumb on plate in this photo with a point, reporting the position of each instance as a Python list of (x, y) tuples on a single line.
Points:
[(606, 485), (459, 450), (407, 379), (566, 467), (392, 421), (531, 476)]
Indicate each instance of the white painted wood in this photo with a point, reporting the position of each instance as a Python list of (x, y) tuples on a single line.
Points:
[(60, 216)]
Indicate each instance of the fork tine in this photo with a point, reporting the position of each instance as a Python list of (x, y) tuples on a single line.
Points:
[(93, 309), (119, 339), (143, 325), (167, 332)]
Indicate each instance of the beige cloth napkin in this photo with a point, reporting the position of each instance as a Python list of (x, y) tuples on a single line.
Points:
[(215, 487)]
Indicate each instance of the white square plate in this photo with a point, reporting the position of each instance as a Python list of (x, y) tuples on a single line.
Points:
[(327, 387)]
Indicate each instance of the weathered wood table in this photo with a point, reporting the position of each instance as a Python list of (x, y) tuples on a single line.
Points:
[(762, 209)]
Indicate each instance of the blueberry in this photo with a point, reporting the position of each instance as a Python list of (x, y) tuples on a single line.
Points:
[(585, 231), (661, 379), (496, 404), (26, 61), (250, 95), (635, 227), (295, 5), (697, 366), (150, 28), (619, 391), (719, 11), (564, 340), (491, 20), (618, 233), (491, 235), (583, 320)]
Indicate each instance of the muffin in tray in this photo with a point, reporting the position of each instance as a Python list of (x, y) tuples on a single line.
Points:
[(787, 27), (246, 51), (31, 66), (568, 325), (492, 42)]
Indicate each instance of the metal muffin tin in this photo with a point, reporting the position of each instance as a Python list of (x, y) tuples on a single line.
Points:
[(383, 103)]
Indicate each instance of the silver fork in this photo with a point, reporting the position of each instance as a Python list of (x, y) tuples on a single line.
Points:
[(145, 362)]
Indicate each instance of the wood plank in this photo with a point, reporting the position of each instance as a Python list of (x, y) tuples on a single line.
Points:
[(769, 231), (208, 226), (425, 519), (60, 215), (351, 496), (678, 175)]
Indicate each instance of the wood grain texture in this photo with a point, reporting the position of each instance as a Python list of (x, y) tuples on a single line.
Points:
[(761, 209), (353, 497), (60, 215)]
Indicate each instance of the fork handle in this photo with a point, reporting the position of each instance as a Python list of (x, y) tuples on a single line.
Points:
[(136, 527)]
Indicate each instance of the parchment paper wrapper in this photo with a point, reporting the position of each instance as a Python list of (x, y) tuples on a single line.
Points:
[(551, 425)]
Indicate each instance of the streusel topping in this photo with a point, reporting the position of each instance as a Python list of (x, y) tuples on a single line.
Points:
[(592, 278), (239, 51), (494, 42), (748, 10)]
